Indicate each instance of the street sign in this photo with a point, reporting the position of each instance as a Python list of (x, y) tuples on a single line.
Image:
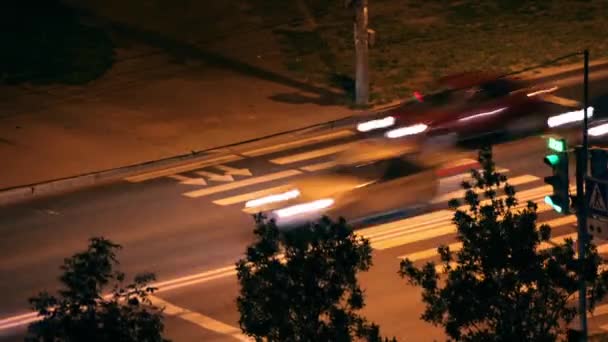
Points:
[(596, 197), (597, 228)]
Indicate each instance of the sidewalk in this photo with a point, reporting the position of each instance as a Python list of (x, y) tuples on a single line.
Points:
[(129, 116)]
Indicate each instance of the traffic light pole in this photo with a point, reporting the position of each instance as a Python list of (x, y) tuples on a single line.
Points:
[(581, 172)]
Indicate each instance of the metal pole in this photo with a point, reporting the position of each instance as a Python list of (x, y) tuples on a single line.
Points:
[(581, 172), (362, 52)]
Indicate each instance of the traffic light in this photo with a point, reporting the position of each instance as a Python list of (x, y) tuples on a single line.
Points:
[(599, 163), (559, 180)]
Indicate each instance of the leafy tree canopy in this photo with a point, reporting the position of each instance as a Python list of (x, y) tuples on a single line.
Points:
[(301, 285), (507, 282), (80, 312)]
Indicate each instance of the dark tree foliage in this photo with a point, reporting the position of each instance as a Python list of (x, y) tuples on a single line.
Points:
[(507, 283), (80, 312), (301, 285)]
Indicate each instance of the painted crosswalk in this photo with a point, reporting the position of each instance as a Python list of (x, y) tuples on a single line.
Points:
[(439, 223)]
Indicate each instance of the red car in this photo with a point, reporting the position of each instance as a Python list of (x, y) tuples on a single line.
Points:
[(467, 106)]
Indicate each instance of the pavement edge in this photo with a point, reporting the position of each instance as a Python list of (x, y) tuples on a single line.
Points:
[(57, 186)]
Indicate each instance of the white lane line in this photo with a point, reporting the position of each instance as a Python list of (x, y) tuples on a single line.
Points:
[(298, 143), (460, 193), (201, 320), (454, 247), (437, 217), (312, 154), (319, 166), (251, 195), (242, 183), (183, 168), (562, 101)]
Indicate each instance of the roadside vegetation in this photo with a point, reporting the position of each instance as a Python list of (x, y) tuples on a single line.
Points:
[(417, 41)]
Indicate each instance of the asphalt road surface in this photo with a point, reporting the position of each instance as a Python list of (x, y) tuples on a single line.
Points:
[(188, 226)]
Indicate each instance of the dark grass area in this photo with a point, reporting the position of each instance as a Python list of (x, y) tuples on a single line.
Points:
[(417, 41), (46, 42)]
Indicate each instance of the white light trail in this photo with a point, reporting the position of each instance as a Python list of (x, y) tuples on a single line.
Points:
[(569, 117), (272, 199), (305, 207), (375, 124), (404, 131)]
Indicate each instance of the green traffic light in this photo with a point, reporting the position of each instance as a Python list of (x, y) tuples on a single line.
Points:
[(556, 144), (549, 201), (552, 159)]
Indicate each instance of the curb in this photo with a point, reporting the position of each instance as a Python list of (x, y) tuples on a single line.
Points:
[(564, 70), (62, 185), (57, 186)]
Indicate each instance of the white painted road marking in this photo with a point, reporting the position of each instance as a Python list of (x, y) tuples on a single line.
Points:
[(234, 171), (435, 224), (251, 195), (199, 319), (242, 183), (312, 154), (460, 193), (188, 180), (454, 247), (182, 168), (215, 177), (298, 143), (381, 237)]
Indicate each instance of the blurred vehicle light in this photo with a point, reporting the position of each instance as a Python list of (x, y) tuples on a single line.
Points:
[(305, 207), (568, 117), (598, 130), (273, 199), (542, 91), (475, 116), (404, 131), (375, 124)]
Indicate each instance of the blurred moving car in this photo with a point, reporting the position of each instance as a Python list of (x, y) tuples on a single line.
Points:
[(467, 105), (372, 177)]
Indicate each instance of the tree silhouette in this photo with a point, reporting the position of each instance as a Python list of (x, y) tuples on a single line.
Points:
[(507, 282), (81, 313), (301, 285)]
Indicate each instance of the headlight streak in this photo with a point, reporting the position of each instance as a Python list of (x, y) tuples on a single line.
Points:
[(542, 91), (404, 131), (475, 116), (273, 199), (304, 207), (376, 124), (598, 130), (568, 117)]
